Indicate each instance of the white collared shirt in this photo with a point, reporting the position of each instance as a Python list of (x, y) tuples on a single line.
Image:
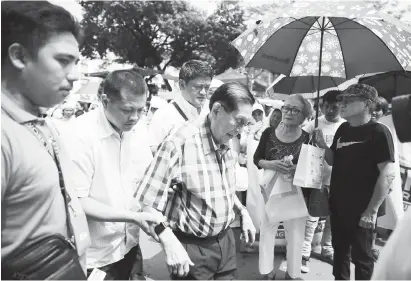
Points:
[(167, 117), (107, 169)]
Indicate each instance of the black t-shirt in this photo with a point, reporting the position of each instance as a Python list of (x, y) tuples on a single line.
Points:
[(357, 153)]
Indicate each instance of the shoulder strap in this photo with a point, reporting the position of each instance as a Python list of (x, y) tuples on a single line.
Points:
[(180, 111), (54, 153)]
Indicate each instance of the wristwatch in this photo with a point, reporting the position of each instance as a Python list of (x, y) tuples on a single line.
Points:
[(159, 228)]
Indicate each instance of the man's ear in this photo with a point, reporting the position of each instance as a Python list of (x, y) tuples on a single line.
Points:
[(17, 55), (181, 84), (104, 100), (216, 108)]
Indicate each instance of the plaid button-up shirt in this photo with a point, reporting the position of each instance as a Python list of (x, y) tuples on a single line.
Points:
[(204, 205)]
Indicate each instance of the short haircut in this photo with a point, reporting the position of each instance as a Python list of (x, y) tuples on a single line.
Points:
[(32, 23), (230, 95), (308, 108), (124, 79), (381, 104), (331, 96), (193, 69)]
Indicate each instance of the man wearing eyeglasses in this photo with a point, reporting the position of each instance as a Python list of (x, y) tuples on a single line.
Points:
[(362, 156), (196, 158), (194, 81)]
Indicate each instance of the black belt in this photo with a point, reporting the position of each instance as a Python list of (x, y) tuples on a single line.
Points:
[(192, 239)]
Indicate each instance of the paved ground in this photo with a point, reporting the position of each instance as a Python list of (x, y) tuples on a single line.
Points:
[(247, 263)]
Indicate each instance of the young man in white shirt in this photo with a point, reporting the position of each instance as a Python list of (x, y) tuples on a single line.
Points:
[(110, 158), (328, 123), (194, 80)]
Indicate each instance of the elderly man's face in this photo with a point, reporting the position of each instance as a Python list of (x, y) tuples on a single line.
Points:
[(48, 77), (353, 106), (226, 125)]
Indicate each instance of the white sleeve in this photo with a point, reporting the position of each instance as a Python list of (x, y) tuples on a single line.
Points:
[(82, 170), (309, 127), (159, 127)]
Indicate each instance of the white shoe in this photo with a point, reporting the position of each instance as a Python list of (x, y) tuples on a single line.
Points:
[(304, 266)]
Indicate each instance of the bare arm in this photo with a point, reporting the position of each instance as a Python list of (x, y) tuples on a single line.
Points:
[(382, 187), (103, 212)]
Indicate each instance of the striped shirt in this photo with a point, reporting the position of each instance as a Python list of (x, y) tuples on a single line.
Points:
[(203, 207)]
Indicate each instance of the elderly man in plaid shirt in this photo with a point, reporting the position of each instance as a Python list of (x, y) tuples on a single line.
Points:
[(196, 237)]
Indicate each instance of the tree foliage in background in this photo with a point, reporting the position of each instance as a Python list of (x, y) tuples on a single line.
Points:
[(156, 34)]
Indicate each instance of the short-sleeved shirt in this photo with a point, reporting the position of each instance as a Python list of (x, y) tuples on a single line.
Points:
[(107, 167), (167, 117), (271, 148), (357, 153), (32, 205), (203, 207)]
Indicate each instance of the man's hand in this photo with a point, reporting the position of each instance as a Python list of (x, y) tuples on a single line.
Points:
[(318, 138), (177, 259), (368, 220), (247, 228), (145, 220)]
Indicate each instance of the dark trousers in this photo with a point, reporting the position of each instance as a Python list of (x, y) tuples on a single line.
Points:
[(349, 239), (213, 257), (128, 268)]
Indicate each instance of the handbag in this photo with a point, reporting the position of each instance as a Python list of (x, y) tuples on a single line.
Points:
[(310, 167), (318, 204), (52, 257)]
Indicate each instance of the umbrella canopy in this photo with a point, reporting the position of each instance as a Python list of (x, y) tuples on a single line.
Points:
[(338, 39), (274, 92), (305, 84), (390, 84)]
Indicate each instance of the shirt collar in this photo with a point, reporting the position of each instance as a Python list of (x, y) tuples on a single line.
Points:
[(187, 108), (209, 143), (16, 112), (105, 128)]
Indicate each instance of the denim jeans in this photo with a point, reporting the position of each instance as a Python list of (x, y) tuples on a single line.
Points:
[(326, 245)]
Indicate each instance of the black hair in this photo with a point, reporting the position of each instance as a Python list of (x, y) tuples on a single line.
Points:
[(381, 104), (32, 23), (331, 96), (124, 79), (193, 69), (230, 95)]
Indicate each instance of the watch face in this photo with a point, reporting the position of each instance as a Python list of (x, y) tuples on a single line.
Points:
[(158, 229)]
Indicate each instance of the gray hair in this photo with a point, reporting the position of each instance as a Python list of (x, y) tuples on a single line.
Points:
[(308, 108)]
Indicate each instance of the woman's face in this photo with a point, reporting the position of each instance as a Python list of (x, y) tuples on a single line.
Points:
[(275, 118), (293, 112)]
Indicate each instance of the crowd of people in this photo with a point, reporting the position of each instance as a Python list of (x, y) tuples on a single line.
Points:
[(78, 188)]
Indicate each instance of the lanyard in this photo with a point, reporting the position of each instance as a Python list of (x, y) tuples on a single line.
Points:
[(53, 150)]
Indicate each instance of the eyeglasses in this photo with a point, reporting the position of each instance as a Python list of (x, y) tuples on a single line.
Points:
[(291, 110), (240, 122)]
